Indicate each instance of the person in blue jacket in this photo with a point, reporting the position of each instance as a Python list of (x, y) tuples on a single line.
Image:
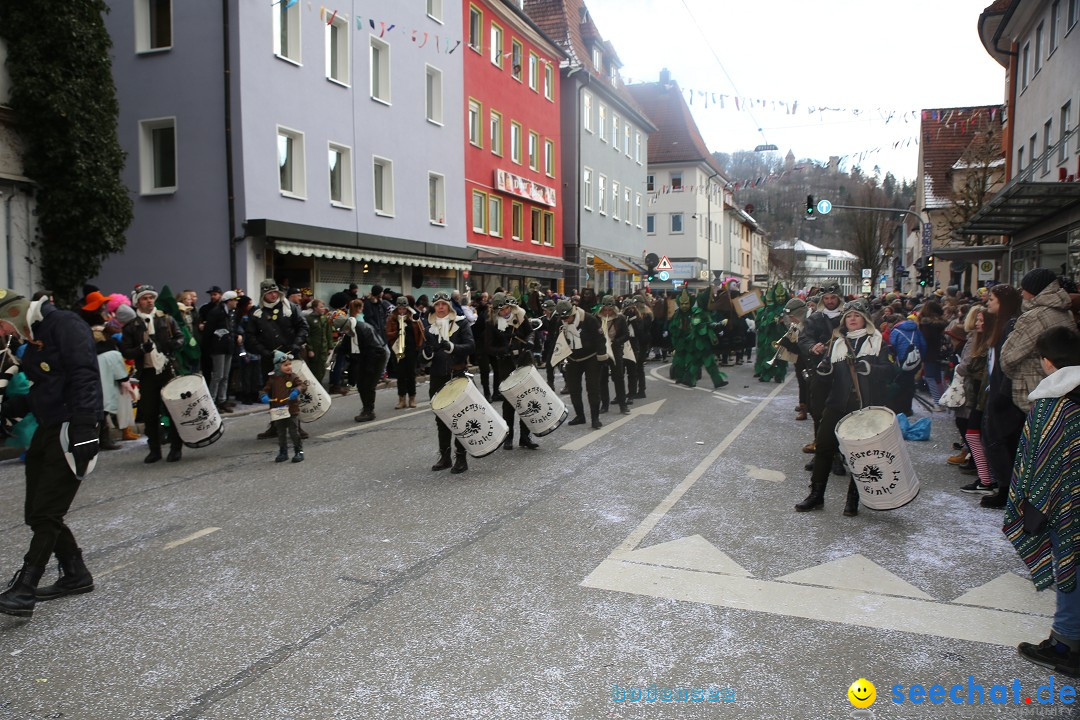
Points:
[(903, 337)]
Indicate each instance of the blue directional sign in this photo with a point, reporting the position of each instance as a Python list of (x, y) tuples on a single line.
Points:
[(664, 276), (824, 206)]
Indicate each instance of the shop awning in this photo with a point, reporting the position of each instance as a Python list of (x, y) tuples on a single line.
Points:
[(498, 260), (334, 252), (1020, 205), (971, 253), (603, 263)]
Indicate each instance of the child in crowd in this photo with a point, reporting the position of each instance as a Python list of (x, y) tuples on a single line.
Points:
[(282, 394), (1042, 517)]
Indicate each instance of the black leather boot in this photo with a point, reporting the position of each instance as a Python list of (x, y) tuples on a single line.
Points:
[(19, 598), (814, 500), (461, 463), (105, 441), (444, 460), (851, 507), (74, 578), (526, 441)]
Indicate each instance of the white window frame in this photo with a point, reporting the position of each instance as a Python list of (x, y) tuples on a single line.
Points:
[(517, 57), (616, 200), (1038, 48), (482, 207), (627, 207), (346, 176), (615, 132), (144, 37), (437, 204), (637, 147), (549, 228), (536, 225), (299, 164), (602, 121), (1074, 14), (549, 157), (515, 142), (597, 59), (474, 123), (676, 175), (1025, 66), (1048, 139), (534, 151), (650, 220), (433, 94), (627, 131), (549, 81), (517, 220), (1063, 130), (495, 215), (495, 118), (601, 194), (383, 48), (478, 46), (387, 165), (586, 187), (682, 224), (1055, 23), (637, 210), (534, 72), (290, 53), (496, 37), (344, 51), (434, 10), (586, 108), (650, 182), (148, 164)]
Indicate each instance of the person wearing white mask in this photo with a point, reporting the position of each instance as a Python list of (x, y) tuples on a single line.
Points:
[(448, 342)]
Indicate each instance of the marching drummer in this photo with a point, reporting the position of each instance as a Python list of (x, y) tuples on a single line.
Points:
[(857, 369), (509, 344), (151, 341), (448, 342)]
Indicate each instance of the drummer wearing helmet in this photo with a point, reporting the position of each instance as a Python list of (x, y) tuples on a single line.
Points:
[(580, 334), (509, 344), (60, 361), (616, 332), (857, 372), (814, 339), (448, 342), (151, 341)]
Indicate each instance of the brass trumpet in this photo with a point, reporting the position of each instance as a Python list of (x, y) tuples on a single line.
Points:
[(782, 353)]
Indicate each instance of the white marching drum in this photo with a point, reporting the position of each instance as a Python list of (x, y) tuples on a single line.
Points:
[(193, 413), (877, 457), (536, 403), (314, 400), (472, 420)]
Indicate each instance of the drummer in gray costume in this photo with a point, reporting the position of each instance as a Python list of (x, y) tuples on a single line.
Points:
[(151, 341), (448, 342), (857, 372), (509, 345)]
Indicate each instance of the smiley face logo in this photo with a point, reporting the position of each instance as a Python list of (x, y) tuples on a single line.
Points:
[(862, 693)]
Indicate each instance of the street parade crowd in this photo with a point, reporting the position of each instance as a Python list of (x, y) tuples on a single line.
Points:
[(1004, 362)]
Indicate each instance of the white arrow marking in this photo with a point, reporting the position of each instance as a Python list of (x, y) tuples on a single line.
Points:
[(723, 396), (595, 435)]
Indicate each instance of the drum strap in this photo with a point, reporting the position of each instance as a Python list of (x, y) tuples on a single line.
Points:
[(855, 380)]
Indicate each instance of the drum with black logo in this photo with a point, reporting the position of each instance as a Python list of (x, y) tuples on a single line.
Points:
[(470, 417), (192, 410), (314, 400), (877, 457), (536, 403)]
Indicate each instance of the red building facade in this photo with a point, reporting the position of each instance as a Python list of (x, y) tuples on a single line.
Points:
[(512, 148)]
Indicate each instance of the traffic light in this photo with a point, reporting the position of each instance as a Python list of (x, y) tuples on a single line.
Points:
[(809, 207), (930, 266), (651, 261), (650, 273)]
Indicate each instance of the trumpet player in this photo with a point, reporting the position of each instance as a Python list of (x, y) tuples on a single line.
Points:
[(794, 316), (405, 333), (509, 344), (772, 362)]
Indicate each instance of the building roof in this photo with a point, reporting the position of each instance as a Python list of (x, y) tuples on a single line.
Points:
[(801, 246), (677, 139), (946, 133), (570, 25)]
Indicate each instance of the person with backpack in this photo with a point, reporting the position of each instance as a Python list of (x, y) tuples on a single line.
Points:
[(909, 347)]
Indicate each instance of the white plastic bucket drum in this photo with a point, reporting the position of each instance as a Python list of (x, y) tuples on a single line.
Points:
[(314, 400), (877, 457), (470, 417), (536, 403), (192, 410)]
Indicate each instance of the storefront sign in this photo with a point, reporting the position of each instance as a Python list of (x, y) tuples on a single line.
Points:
[(684, 270), (522, 187)]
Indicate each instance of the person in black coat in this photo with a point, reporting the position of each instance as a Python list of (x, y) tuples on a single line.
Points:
[(639, 343), (509, 345), (814, 340), (858, 370), (65, 396), (276, 324), (219, 344), (580, 333), (448, 342), (150, 341), (483, 360), (617, 333), (367, 353)]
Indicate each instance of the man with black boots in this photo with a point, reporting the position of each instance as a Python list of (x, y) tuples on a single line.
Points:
[(277, 324), (616, 333), (639, 344), (448, 342), (581, 341), (65, 397), (151, 341), (550, 330), (509, 344), (815, 337)]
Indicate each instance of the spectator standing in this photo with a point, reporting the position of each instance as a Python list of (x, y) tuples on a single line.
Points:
[(219, 342)]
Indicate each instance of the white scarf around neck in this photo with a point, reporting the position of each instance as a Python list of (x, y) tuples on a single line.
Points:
[(871, 346)]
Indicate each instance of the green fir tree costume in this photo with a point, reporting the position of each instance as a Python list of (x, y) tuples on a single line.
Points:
[(187, 357), (770, 328), (694, 339)]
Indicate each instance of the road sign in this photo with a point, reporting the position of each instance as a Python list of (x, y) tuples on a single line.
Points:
[(664, 275), (824, 206), (866, 285), (664, 264), (703, 275), (763, 277), (986, 270), (867, 273)]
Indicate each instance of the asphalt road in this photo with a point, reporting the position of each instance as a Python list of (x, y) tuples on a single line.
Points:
[(659, 552)]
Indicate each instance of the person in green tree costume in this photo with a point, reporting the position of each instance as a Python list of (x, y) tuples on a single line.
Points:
[(187, 357), (770, 328), (693, 335)]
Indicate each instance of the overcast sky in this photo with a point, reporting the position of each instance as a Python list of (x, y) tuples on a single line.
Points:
[(883, 57)]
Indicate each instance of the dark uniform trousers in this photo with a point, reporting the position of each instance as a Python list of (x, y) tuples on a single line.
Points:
[(435, 384), (613, 368), (590, 368), (50, 490), (150, 409)]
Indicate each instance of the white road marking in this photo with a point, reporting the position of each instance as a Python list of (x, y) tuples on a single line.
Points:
[(194, 536), (759, 473), (855, 572), (688, 553), (1010, 592), (585, 440), (111, 570), (715, 392), (673, 497), (374, 423)]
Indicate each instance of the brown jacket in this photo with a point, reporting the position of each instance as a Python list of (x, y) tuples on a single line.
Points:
[(1019, 359), (279, 387), (414, 323)]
